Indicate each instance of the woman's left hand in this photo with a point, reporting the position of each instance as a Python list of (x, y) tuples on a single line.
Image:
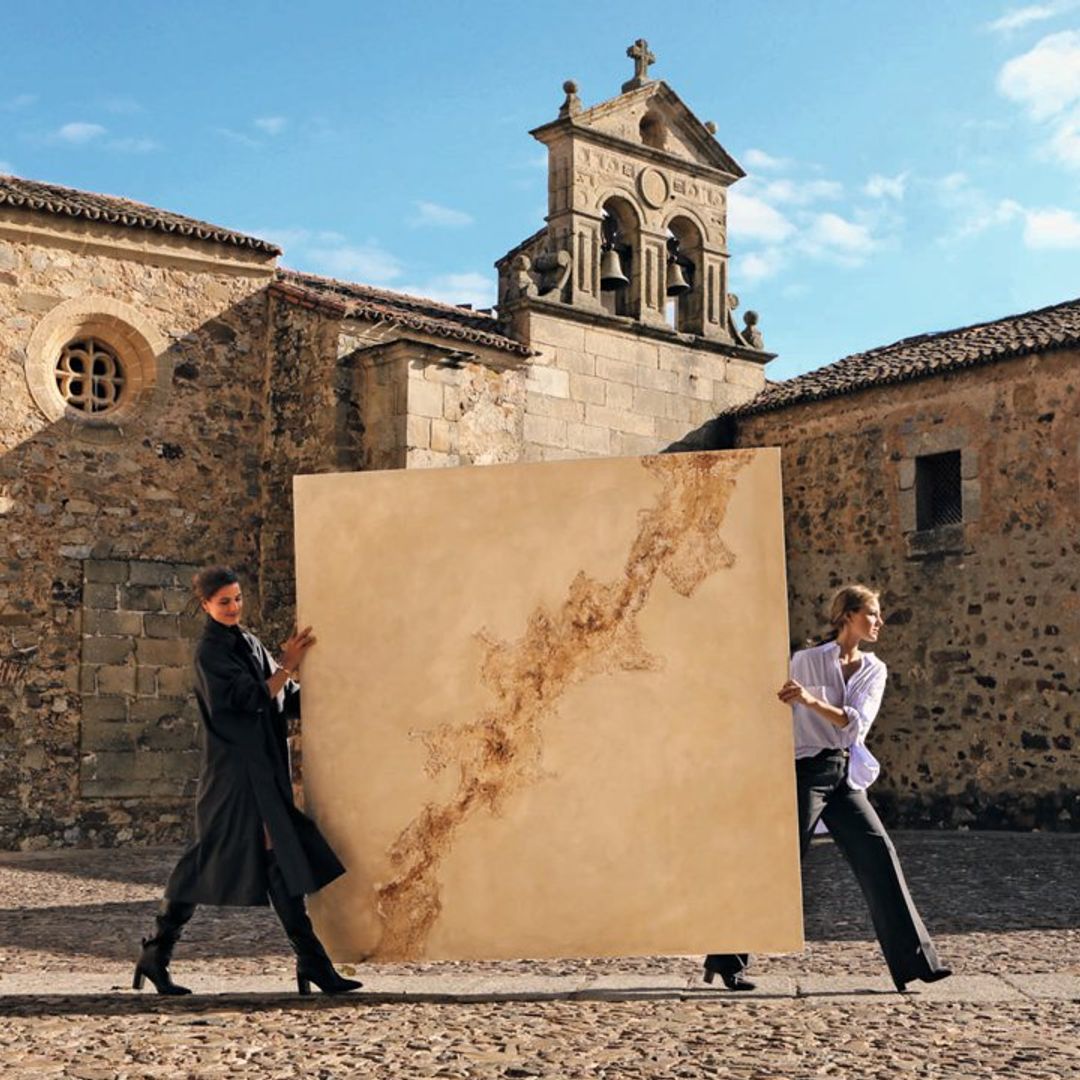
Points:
[(794, 693)]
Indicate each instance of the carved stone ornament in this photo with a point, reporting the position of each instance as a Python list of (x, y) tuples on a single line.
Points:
[(554, 269), (751, 333), (653, 186), (521, 282)]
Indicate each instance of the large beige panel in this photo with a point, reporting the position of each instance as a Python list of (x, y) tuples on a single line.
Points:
[(541, 717)]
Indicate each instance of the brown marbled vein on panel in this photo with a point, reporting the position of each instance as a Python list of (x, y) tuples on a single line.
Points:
[(593, 631)]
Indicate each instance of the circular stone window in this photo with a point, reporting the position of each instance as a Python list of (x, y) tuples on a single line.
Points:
[(90, 376), (98, 366)]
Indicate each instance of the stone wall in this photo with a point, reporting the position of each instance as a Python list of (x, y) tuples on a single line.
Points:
[(179, 480), (981, 722), (140, 727), (597, 390)]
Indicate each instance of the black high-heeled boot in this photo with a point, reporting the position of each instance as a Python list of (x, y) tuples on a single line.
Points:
[(730, 967), (153, 962), (312, 963)]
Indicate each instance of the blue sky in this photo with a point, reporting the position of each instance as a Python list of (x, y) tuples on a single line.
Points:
[(912, 166)]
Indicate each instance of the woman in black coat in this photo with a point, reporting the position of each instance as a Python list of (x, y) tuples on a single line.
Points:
[(252, 844)]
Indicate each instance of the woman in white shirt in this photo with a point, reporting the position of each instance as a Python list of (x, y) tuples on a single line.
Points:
[(835, 691)]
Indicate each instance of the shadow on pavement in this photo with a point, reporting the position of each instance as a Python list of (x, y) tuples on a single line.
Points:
[(197, 1006)]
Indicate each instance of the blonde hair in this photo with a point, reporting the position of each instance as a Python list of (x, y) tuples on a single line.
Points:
[(847, 601)]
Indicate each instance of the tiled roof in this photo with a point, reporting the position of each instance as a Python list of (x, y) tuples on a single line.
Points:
[(67, 202), (380, 305), (1056, 327)]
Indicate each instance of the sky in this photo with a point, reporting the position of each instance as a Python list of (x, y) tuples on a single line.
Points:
[(911, 166)]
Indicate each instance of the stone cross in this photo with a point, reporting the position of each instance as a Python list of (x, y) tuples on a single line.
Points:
[(642, 57)]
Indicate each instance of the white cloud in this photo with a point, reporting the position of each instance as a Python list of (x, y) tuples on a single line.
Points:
[(443, 217), (1045, 229), (238, 137), (1064, 144), (1050, 228), (1054, 228), (759, 159), (365, 263), (752, 218), (833, 237), (1018, 18), (1046, 79), (802, 192), (272, 125), (886, 187), (465, 288), (983, 214), (329, 253), (758, 265), (78, 133), (954, 181), (19, 101)]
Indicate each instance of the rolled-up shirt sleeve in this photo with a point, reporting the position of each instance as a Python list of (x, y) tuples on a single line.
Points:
[(861, 704)]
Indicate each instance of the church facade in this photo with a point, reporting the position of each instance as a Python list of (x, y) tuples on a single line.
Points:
[(162, 379)]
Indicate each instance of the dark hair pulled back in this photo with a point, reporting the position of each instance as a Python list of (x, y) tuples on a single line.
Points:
[(208, 581)]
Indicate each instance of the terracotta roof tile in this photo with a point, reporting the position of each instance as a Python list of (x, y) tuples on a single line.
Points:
[(1056, 327), (68, 202), (380, 305)]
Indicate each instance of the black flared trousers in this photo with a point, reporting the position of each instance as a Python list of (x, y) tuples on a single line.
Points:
[(824, 794)]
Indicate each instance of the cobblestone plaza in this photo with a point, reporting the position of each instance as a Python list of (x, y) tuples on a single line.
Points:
[(1003, 909)]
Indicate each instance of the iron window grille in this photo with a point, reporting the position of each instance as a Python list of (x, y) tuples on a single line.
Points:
[(938, 491)]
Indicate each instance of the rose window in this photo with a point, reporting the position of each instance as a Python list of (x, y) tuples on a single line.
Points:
[(89, 376)]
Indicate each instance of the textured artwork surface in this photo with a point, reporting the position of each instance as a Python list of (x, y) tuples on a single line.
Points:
[(540, 719)]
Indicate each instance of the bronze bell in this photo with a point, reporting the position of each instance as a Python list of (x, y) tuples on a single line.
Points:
[(676, 279), (611, 271)]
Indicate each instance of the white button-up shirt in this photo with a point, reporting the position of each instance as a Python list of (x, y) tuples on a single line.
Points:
[(818, 669)]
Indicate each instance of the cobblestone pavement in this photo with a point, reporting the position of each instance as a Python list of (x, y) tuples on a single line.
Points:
[(1003, 908)]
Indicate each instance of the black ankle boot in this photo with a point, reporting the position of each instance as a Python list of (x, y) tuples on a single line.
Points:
[(153, 962), (312, 963), (729, 966)]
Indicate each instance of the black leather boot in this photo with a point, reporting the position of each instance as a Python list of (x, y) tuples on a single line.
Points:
[(312, 963), (730, 967), (153, 962)]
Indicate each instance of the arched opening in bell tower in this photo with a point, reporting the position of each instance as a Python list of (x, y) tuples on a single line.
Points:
[(682, 282), (620, 244)]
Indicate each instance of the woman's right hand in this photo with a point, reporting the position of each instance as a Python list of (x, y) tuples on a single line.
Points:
[(295, 648), (794, 693)]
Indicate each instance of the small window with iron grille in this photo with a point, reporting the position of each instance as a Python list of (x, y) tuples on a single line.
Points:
[(938, 493)]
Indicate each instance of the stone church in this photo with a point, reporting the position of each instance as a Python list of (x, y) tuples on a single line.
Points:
[(162, 379)]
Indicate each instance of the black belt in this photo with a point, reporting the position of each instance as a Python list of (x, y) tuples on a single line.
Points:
[(828, 753)]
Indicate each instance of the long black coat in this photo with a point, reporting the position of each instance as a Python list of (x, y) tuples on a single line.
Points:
[(245, 784)]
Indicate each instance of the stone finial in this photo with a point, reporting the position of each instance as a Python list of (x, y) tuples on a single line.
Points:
[(572, 105), (642, 57), (751, 333), (710, 127)]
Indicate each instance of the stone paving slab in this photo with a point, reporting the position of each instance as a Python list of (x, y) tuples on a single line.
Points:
[(1047, 987)]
